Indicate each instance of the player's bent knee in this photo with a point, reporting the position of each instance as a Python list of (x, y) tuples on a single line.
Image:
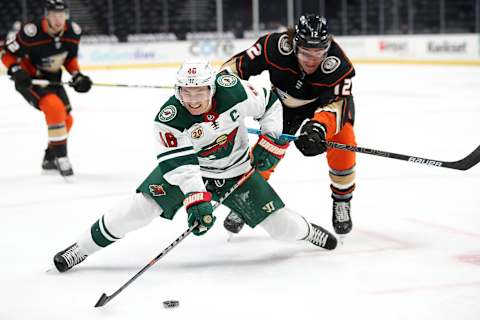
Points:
[(53, 108), (286, 225), (131, 214)]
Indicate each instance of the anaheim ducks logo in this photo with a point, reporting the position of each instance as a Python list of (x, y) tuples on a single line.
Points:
[(76, 28), (330, 64), (30, 29), (221, 147), (284, 46), (157, 190)]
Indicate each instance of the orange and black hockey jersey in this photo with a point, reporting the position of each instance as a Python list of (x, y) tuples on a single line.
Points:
[(328, 89), (42, 54)]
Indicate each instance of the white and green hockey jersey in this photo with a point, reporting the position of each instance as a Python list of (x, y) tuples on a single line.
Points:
[(215, 144)]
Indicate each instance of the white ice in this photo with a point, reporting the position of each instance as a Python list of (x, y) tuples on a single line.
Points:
[(414, 252)]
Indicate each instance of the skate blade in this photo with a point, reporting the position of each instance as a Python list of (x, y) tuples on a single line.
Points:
[(54, 172), (51, 269), (49, 172), (341, 238), (230, 236), (69, 179)]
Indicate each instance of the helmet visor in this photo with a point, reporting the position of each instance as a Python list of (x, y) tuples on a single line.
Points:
[(195, 94), (311, 54)]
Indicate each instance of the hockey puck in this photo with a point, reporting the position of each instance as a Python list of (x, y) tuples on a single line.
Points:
[(171, 304)]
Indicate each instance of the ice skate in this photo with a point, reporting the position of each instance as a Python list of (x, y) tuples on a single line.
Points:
[(48, 162), (64, 166), (321, 237), (233, 223), (66, 259), (341, 220)]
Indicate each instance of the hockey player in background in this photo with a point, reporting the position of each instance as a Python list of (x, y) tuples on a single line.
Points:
[(12, 33), (17, 25), (202, 151), (312, 76), (39, 51)]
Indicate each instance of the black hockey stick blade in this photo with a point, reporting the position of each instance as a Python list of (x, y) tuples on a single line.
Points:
[(465, 163), (102, 301)]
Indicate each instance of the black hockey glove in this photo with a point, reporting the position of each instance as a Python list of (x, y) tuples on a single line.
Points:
[(81, 83), (21, 77), (199, 208), (311, 141)]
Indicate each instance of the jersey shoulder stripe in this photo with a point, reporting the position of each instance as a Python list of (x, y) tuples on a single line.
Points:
[(72, 33), (32, 35), (275, 56), (333, 69)]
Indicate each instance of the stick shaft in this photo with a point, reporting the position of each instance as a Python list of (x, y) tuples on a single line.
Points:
[(43, 82), (463, 164)]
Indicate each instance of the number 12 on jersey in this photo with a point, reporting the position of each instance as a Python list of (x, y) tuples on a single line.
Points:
[(344, 88)]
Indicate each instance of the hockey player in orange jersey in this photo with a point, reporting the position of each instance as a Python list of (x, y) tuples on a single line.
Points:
[(312, 77), (39, 51)]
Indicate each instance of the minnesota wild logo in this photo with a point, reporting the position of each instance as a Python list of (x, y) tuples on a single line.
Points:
[(168, 113), (222, 146), (227, 80)]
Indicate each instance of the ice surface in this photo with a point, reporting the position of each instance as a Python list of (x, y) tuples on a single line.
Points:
[(414, 252)]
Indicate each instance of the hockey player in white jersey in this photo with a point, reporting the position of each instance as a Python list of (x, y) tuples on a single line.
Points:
[(202, 151)]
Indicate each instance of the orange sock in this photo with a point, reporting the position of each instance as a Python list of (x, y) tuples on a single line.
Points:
[(56, 118), (69, 121)]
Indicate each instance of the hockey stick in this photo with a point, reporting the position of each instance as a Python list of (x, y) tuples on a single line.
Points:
[(43, 82), (104, 298), (463, 164)]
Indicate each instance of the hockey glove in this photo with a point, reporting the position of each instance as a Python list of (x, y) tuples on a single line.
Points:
[(21, 77), (199, 209), (311, 141), (81, 83), (268, 152)]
